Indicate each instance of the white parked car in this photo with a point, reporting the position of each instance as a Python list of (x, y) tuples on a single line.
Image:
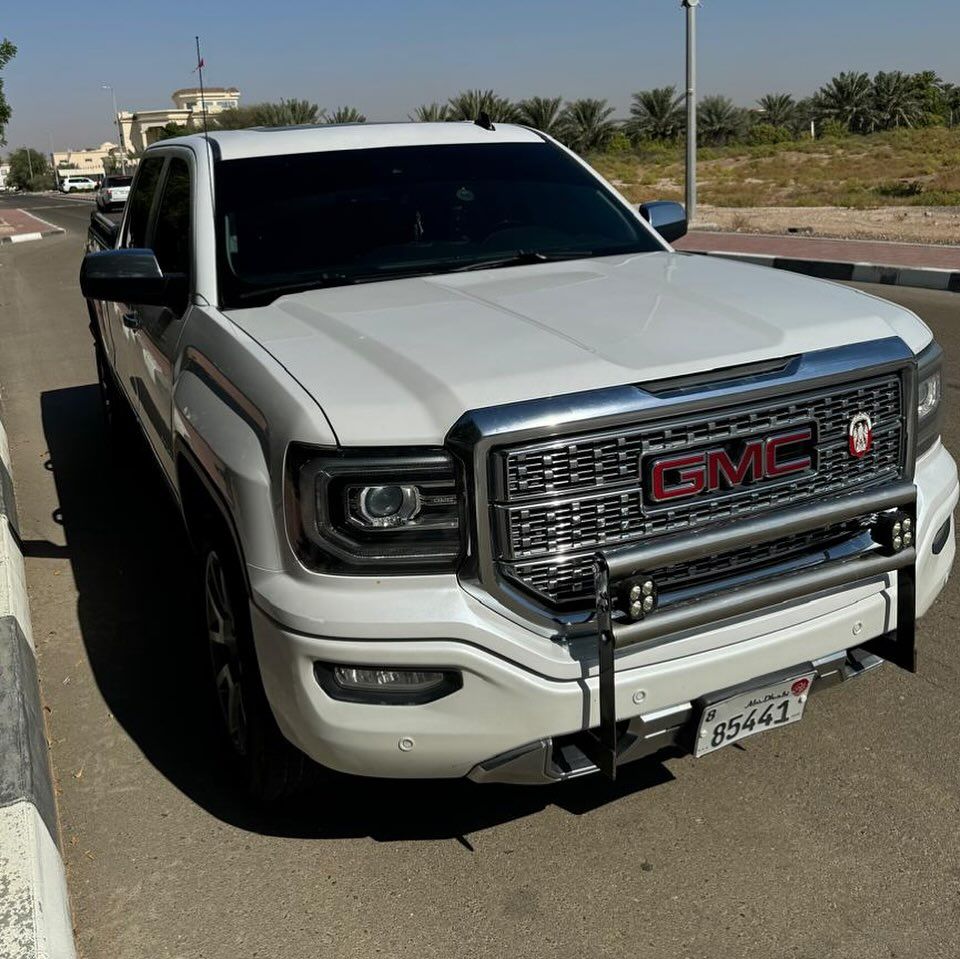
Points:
[(113, 191), (485, 480), (75, 184)]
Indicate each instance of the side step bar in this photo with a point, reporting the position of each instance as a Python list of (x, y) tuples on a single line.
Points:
[(617, 571)]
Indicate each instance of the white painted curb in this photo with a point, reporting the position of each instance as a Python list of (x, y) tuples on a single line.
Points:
[(34, 913), (35, 920)]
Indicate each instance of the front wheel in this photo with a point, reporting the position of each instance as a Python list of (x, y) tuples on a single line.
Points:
[(269, 765)]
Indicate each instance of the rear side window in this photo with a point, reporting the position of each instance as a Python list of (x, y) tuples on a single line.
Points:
[(171, 237), (141, 200)]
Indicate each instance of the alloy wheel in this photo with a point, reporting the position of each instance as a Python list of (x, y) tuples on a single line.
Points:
[(225, 653)]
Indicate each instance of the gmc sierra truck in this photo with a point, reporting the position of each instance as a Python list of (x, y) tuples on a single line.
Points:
[(484, 479)]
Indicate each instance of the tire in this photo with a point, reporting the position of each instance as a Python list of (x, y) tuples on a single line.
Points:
[(116, 411), (270, 767)]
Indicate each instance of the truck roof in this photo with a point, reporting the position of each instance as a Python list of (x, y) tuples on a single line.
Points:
[(277, 141)]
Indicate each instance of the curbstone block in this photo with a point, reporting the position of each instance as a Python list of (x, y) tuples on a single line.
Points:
[(34, 916), (926, 278), (34, 906)]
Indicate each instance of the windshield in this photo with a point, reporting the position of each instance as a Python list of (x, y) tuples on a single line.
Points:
[(320, 219)]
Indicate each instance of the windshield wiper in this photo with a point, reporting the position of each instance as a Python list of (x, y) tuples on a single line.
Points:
[(523, 258), (323, 281)]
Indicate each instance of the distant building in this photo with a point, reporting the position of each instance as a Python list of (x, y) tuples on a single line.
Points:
[(142, 127), (89, 162), (4, 173)]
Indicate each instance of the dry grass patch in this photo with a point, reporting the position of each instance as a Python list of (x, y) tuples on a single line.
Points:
[(904, 167)]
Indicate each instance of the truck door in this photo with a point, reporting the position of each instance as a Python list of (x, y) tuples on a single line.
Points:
[(157, 328), (122, 319)]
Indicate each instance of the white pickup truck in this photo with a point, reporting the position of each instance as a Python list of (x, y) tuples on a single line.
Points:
[(485, 479)]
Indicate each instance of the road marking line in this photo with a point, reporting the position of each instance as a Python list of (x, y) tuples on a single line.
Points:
[(42, 220)]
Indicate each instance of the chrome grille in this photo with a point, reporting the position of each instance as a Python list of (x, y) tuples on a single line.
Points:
[(555, 503), (566, 581)]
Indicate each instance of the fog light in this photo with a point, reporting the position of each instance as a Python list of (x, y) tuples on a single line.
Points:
[(408, 680), (386, 685)]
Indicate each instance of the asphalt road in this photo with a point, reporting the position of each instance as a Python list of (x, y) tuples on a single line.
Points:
[(839, 836)]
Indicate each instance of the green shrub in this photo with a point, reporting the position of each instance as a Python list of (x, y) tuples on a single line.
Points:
[(900, 188), (833, 130), (619, 143), (763, 134), (41, 181)]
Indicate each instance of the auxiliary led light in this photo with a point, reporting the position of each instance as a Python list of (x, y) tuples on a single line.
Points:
[(894, 531), (643, 598)]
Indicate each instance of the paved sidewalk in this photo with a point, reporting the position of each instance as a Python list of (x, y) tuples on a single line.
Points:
[(869, 261), (18, 225)]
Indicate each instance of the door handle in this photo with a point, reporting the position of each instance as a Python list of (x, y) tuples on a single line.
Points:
[(131, 321)]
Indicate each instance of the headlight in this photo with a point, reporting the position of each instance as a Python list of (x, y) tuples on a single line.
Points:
[(929, 397), (374, 511)]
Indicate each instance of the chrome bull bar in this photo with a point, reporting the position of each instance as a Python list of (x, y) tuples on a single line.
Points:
[(620, 569)]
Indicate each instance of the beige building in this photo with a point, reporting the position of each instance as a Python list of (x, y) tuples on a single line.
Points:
[(142, 127), (93, 162)]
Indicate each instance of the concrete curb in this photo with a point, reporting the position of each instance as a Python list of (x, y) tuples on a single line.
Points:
[(26, 237), (926, 278), (35, 918)]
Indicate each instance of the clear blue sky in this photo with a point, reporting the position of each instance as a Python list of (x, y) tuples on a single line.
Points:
[(387, 56)]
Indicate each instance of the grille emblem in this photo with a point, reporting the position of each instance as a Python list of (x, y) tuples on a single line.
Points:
[(861, 435), (725, 468)]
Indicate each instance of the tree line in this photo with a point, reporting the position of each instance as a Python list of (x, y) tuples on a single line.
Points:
[(850, 103)]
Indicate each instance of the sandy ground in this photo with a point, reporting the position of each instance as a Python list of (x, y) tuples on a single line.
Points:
[(915, 224)]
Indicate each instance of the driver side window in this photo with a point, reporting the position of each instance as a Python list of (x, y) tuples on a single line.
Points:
[(171, 235), (141, 201)]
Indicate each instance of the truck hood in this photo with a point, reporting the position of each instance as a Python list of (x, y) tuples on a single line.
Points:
[(398, 362)]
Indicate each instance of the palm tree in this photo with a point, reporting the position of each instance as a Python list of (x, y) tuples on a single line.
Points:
[(587, 125), (779, 109), (346, 115), (238, 118), (896, 101), (951, 97), (848, 99), (719, 121), (287, 113), (469, 104), (430, 113), (803, 113), (543, 113), (656, 114)]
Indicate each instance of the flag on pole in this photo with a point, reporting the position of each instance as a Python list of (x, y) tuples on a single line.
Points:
[(200, 65), (203, 96)]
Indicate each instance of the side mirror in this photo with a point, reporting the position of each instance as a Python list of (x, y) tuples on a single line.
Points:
[(131, 276), (668, 219)]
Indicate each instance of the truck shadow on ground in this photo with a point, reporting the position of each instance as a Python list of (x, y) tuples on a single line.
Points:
[(132, 564)]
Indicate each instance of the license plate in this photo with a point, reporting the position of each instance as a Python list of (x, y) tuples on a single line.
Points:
[(757, 711)]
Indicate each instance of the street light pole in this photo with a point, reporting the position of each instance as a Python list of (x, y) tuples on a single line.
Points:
[(116, 119), (691, 7)]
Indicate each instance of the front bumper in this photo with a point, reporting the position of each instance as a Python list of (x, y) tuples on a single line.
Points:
[(512, 710)]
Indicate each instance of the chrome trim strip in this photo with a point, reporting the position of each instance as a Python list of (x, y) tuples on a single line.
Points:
[(478, 432)]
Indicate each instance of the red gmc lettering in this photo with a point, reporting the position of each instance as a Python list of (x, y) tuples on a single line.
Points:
[(694, 473), (692, 481), (751, 464), (775, 468)]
